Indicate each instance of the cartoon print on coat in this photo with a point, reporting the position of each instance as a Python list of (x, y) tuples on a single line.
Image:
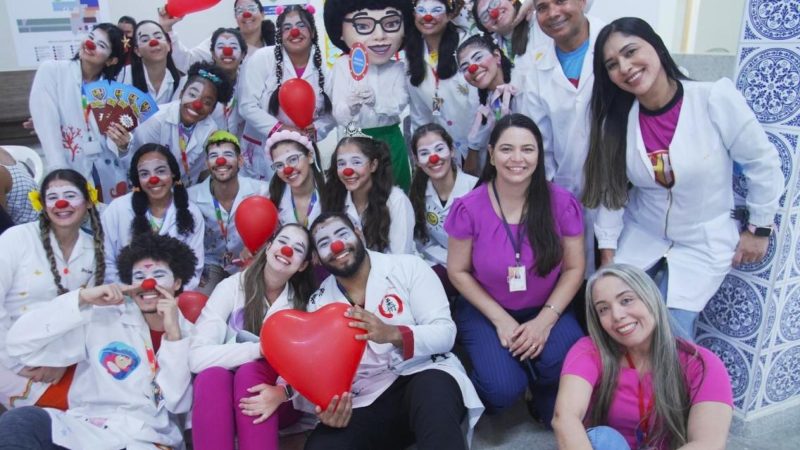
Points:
[(119, 359)]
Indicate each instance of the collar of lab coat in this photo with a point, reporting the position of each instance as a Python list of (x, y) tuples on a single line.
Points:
[(288, 67), (461, 185), (351, 211), (85, 243), (545, 59), (245, 190)]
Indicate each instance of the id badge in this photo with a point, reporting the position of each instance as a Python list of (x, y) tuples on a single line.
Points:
[(437, 105), (516, 279), (227, 259)]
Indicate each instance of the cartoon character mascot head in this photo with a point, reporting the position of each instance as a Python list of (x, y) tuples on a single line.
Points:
[(379, 25)]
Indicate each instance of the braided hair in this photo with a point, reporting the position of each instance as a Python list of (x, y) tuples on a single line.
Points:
[(77, 180), (141, 203), (486, 42), (137, 65), (308, 18)]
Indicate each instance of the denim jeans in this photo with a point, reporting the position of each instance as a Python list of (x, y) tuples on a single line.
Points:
[(681, 321), (606, 438)]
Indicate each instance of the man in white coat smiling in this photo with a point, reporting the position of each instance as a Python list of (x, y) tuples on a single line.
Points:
[(132, 357), (408, 384)]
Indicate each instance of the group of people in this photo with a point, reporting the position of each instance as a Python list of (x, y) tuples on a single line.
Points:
[(558, 176)]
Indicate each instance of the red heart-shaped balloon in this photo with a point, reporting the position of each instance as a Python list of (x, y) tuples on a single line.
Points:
[(316, 353), (191, 304)]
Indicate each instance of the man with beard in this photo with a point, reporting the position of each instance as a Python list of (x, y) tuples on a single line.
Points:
[(217, 197), (131, 347), (408, 385)]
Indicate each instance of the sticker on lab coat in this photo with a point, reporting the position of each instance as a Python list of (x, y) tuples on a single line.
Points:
[(119, 359), (390, 305)]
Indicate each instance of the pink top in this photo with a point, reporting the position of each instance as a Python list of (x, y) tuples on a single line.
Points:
[(706, 376), (658, 129), (472, 217)]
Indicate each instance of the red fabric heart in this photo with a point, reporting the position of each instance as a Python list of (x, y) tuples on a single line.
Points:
[(316, 353)]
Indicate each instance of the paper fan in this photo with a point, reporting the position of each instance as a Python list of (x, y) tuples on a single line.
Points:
[(111, 101)]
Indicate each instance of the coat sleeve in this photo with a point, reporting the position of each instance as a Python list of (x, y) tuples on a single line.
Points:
[(174, 377), (433, 330), (529, 103), (324, 122), (43, 104), (7, 274), (252, 99), (184, 57), (608, 227), (401, 230), (52, 336), (747, 143), (197, 245)]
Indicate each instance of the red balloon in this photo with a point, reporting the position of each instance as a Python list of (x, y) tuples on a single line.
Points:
[(298, 101), (191, 304), (256, 219), (301, 346), (180, 8)]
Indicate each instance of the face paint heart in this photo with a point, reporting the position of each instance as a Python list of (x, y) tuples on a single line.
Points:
[(221, 161), (61, 203), (298, 345), (197, 105), (348, 172), (337, 247), (294, 32), (149, 284), (227, 51), (427, 18), (288, 170), (434, 159), (287, 251), (494, 14), (472, 68), (247, 15), (90, 45), (153, 43), (154, 180)]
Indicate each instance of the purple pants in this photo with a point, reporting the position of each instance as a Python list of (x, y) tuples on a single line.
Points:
[(217, 420)]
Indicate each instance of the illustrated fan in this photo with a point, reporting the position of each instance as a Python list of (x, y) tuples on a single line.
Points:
[(111, 101)]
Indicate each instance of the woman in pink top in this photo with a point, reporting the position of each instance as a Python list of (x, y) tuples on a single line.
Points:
[(639, 385)]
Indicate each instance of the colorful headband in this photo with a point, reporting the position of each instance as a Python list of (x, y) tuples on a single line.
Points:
[(209, 76), (289, 135), (309, 7), (220, 136)]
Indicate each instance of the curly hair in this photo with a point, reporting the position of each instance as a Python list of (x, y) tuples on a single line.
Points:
[(178, 256), (222, 84)]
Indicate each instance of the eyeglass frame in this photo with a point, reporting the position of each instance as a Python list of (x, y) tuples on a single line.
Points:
[(278, 166), (375, 23)]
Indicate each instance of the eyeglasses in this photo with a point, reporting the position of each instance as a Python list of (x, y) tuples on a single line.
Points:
[(366, 25), (239, 10), (484, 16), (291, 161)]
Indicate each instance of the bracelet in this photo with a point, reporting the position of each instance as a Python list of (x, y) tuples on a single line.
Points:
[(552, 308), (289, 391)]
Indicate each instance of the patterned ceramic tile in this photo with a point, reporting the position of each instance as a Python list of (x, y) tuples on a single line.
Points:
[(776, 20)]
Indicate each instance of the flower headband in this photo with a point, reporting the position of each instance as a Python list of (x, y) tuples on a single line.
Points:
[(289, 135), (209, 76), (35, 197), (309, 7)]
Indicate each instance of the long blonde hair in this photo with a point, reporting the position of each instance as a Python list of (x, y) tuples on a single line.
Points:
[(670, 390)]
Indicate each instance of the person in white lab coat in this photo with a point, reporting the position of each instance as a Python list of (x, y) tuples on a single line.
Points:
[(218, 197), (64, 122), (296, 54), (436, 184), (360, 184), (159, 204), (152, 69), (228, 51), (131, 345), (510, 24), (226, 352), (408, 386), (39, 261), (296, 165), (184, 125), (675, 142), (437, 92)]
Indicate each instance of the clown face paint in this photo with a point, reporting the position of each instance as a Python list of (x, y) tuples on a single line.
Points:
[(480, 67), (248, 16), (222, 161), (158, 271), (295, 34), (497, 16), (151, 43), (65, 205), (99, 50), (434, 156), (153, 167), (381, 31), (200, 93), (292, 165), (353, 167), (287, 252), (227, 51), (70, 195), (430, 17), (332, 231)]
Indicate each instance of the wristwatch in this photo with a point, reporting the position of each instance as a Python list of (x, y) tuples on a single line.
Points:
[(289, 391), (760, 231)]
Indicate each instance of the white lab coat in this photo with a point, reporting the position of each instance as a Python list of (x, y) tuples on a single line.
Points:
[(401, 229), (184, 56), (165, 94), (536, 37), (215, 244), (26, 282), (67, 140), (435, 250), (111, 407), (691, 223), (424, 309), (219, 338), (162, 129), (117, 219), (286, 208), (227, 116), (258, 82)]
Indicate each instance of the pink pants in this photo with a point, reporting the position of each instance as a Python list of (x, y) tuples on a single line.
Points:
[(217, 420)]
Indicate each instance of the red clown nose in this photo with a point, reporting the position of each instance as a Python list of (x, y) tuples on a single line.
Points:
[(494, 14), (61, 203), (472, 68), (294, 32), (153, 43), (227, 51), (152, 181), (221, 161), (348, 172), (288, 170), (149, 284), (247, 14), (197, 105), (89, 44), (434, 159), (427, 18), (337, 247), (287, 251)]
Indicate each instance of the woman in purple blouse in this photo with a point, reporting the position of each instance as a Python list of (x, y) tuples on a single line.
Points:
[(516, 256)]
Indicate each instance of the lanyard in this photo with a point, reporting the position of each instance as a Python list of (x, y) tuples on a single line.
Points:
[(228, 109), (515, 243), (184, 135), (644, 410), (310, 207), (218, 212), (346, 295)]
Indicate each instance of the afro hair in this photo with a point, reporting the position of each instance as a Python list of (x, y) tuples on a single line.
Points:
[(177, 255), (335, 10)]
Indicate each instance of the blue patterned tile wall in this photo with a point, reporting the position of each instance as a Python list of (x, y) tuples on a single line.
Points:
[(753, 321)]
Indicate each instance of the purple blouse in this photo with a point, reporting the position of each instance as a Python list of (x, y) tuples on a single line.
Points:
[(472, 217)]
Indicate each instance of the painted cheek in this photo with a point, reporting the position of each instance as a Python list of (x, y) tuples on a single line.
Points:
[(287, 251), (348, 172), (337, 247)]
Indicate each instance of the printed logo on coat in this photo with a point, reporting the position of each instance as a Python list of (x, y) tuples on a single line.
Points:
[(390, 305), (119, 359), (432, 218)]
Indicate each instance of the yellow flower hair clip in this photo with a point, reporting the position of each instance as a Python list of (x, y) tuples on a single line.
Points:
[(36, 200), (93, 195)]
